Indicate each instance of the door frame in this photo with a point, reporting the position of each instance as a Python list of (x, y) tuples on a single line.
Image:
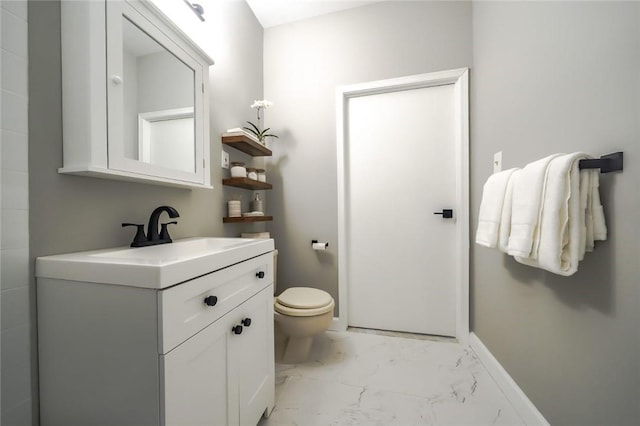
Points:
[(460, 79)]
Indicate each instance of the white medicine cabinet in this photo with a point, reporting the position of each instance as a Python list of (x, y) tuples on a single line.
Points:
[(135, 95)]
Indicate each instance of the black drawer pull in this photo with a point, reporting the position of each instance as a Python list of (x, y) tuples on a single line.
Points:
[(237, 329), (260, 274), (246, 322), (211, 300)]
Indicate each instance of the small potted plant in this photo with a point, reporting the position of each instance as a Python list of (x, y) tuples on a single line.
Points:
[(257, 130)]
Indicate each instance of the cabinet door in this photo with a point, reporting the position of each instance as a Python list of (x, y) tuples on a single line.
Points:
[(155, 99), (196, 379), (252, 352)]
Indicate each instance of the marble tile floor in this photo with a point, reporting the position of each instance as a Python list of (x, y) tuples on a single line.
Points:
[(356, 378)]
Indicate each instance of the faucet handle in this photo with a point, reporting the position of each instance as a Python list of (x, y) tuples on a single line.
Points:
[(164, 232), (140, 237)]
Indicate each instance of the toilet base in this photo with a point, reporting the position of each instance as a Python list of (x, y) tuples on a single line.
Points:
[(297, 349), (294, 336)]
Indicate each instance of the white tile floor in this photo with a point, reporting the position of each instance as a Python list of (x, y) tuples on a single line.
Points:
[(355, 378)]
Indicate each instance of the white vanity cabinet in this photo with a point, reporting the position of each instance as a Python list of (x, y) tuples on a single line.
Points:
[(217, 362), (199, 352), (134, 95)]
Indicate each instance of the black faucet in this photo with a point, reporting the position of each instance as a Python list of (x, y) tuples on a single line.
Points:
[(152, 228), (154, 237)]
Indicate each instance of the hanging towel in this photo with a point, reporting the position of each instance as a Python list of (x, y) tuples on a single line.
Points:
[(505, 220), (599, 224), (559, 243), (491, 207), (528, 193), (585, 221), (596, 228)]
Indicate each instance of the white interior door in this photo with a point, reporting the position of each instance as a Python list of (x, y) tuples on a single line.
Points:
[(400, 167)]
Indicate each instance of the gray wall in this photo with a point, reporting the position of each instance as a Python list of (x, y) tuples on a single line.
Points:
[(77, 213), (562, 77), (304, 62), (17, 326)]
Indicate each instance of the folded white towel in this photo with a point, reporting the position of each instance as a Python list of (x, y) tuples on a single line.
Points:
[(505, 220), (491, 206), (559, 245), (596, 227), (585, 178), (528, 193), (599, 224), (550, 213)]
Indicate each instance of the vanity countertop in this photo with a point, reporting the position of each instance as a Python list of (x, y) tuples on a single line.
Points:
[(154, 267)]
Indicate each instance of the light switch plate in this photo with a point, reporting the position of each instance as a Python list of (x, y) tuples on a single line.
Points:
[(225, 159), (497, 162)]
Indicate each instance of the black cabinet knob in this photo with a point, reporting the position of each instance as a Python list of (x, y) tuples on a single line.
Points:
[(211, 300), (260, 274), (237, 329), (246, 322)]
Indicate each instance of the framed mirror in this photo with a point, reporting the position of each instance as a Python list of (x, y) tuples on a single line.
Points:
[(135, 97), (154, 99)]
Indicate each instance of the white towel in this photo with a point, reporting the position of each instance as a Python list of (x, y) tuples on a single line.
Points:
[(490, 215), (599, 224), (585, 183), (528, 193), (505, 220), (562, 226), (594, 214)]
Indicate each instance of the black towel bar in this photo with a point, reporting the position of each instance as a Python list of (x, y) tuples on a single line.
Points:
[(606, 163)]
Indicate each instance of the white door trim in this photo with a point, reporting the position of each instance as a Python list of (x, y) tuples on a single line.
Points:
[(460, 79)]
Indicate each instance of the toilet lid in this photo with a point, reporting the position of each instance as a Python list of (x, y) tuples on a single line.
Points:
[(304, 298), (293, 312)]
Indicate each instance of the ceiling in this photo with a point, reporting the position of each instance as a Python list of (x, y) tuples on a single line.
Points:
[(276, 12)]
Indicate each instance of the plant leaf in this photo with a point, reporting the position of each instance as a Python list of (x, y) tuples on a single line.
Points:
[(251, 131), (256, 129)]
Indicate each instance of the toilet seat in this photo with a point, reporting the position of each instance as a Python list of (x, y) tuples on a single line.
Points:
[(303, 302)]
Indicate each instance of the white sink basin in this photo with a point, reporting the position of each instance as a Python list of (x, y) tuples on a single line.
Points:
[(154, 266)]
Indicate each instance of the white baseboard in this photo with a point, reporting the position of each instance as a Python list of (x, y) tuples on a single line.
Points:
[(338, 325), (523, 406)]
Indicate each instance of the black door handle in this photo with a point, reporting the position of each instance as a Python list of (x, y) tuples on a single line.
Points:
[(237, 329), (260, 274), (246, 322), (446, 213)]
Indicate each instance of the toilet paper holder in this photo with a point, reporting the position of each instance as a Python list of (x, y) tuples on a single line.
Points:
[(318, 246)]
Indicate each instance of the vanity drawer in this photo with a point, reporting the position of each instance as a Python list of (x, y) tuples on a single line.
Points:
[(182, 310)]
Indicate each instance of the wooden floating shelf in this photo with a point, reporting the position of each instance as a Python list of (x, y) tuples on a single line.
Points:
[(247, 219), (247, 145), (246, 183)]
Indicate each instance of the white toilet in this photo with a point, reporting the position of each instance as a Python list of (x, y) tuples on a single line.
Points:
[(300, 313)]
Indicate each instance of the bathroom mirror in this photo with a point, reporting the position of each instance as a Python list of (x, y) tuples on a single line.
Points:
[(159, 101)]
